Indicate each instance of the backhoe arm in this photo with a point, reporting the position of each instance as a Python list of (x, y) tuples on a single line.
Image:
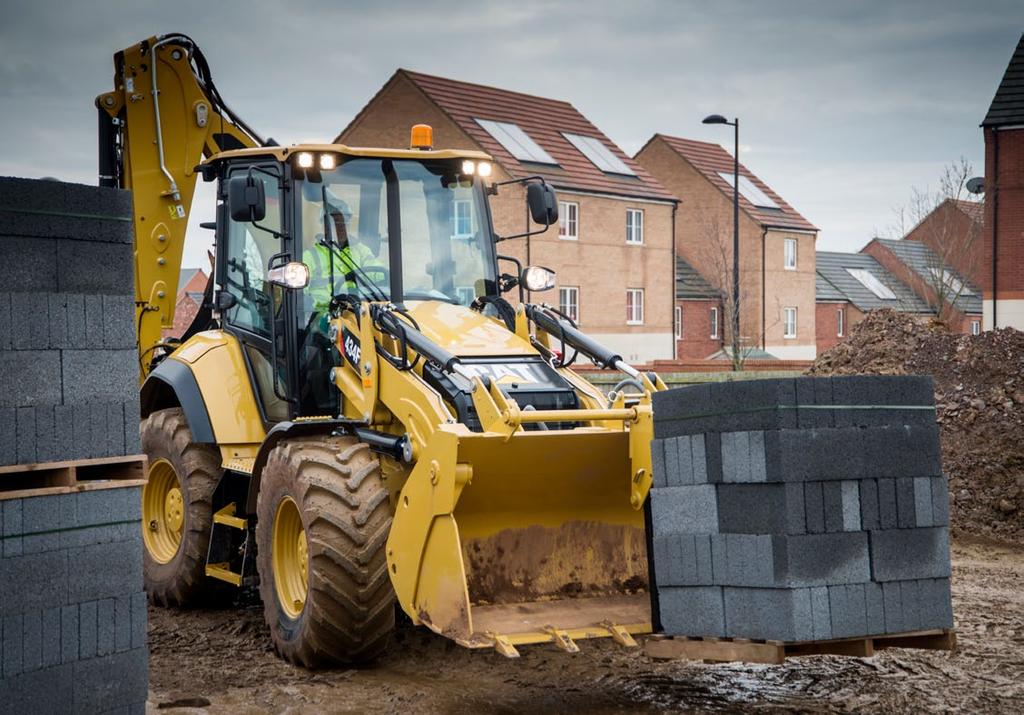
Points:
[(162, 118)]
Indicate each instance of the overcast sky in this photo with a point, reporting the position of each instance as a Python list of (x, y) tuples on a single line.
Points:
[(844, 106)]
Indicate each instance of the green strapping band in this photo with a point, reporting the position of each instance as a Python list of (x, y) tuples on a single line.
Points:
[(65, 214), (752, 410), (73, 528)]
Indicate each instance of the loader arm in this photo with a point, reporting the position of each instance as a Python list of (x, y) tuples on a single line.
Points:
[(163, 117)]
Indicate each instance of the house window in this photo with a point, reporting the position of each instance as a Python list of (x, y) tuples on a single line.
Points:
[(840, 322), (790, 254), (789, 322), (679, 322), (569, 302), (975, 327), (462, 219), (714, 323), (634, 306), (568, 220), (634, 226)]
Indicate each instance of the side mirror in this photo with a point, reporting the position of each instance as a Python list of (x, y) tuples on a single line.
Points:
[(543, 203), (247, 199), (537, 278)]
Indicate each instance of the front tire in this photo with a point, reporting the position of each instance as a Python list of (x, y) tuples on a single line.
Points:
[(177, 511), (323, 520)]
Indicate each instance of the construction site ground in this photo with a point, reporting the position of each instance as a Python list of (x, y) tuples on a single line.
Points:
[(220, 661)]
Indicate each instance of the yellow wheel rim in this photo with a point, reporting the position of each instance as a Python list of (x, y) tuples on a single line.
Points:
[(290, 558), (163, 512)]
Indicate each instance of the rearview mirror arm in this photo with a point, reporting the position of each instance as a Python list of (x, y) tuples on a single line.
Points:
[(493, 191)]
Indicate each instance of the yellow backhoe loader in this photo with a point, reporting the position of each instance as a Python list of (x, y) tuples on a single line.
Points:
[(357, 415)]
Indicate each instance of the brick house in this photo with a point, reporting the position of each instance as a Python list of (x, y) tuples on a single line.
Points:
[(699, 315), (955, 231), (920, 268), (1003, 127), (777, 244), (848, 285), (191, 285), (613, 248)]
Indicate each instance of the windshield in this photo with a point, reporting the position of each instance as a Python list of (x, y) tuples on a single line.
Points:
[(447, 252)]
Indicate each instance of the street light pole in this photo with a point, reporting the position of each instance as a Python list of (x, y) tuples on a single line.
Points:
[(719, 119)]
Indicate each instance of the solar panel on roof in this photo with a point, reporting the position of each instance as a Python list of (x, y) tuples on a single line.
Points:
[(750, 192), (516, 141), (868, 279), (599, 155)]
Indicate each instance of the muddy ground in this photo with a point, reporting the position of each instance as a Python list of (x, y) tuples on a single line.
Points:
[(221, 662)]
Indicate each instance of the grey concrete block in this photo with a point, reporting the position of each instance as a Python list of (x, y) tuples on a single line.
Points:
[(910, 595), (814, 504), (940, 604), (94, 268), (869, 504), (851, 505), (69, 633), (940, 501), (901, 554), (773, 614), (99, 376), (906, 515), (111, 681), (923, 501), (6, 326), (666, 567), (105, 626), (31, 263), (46, 449), (40, 524), (122, 623), (658, 476), (132, 445), (51, 637), (821, 559), (832, 495), (13, 648), (47, 690), (756, 457), (94, 322), (671, 462), (774, 508), (686, 556), (115, 428), (684, 510), (140, 618), (64, 432), (39, 381), (98, 201), (32, 640), (849, 610), (82, 431), (719, 558), (105, 570), (119, 323), (736, 465), (702, 552), (30, 324), (87, 630), (888, 512), (892, 598), (26, 435), (875, 603), (98, 429), (8, 436), (692, 611), (821, 613), (698, 453)]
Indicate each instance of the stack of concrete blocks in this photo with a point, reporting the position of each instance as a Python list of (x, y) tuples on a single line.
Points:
[(69, 366), (72, 607), (800, 509)]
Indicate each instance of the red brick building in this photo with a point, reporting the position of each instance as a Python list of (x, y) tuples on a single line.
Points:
[(777, 283), (699, 315), (1003, 126), (191, 285), (955, 231)]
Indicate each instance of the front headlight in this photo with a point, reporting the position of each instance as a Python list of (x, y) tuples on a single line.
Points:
[(538, 278), (292, 275)]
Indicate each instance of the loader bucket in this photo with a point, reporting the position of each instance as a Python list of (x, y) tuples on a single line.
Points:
[(525, 538)]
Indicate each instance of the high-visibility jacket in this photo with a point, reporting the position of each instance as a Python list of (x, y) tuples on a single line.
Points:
[(318, 258)]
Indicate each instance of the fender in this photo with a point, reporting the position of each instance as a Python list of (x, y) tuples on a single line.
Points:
[(172, 384)]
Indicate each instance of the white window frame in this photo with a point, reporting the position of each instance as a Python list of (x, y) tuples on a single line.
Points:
[(786, 332), (789, 249), (840, 322), (714, 323), (468, 204), (573, 308), (635, 228), (975, 327), (564, 223), (635, 308), (678, 322)]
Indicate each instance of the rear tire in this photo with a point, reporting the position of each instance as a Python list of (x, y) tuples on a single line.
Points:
[(177, 537), (330, 568)]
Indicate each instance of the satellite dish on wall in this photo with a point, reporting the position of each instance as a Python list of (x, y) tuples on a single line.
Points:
[(976, 185)]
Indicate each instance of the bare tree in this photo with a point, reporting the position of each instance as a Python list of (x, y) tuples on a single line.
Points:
[(938, 219), (716, 258)]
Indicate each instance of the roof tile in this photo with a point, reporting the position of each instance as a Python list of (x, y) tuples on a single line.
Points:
[(1008, 104)]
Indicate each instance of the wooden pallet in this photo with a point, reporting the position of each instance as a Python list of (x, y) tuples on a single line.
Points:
[(28, 480), (723, 650)]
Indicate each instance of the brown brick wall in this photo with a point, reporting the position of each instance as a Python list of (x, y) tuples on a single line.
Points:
[(696, 342), (827, 323), (1007, 190), (952, 234)]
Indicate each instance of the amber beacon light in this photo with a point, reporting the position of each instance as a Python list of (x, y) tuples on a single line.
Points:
[(422, 137)]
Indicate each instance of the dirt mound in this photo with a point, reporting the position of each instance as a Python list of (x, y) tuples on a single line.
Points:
[(979, 398)]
